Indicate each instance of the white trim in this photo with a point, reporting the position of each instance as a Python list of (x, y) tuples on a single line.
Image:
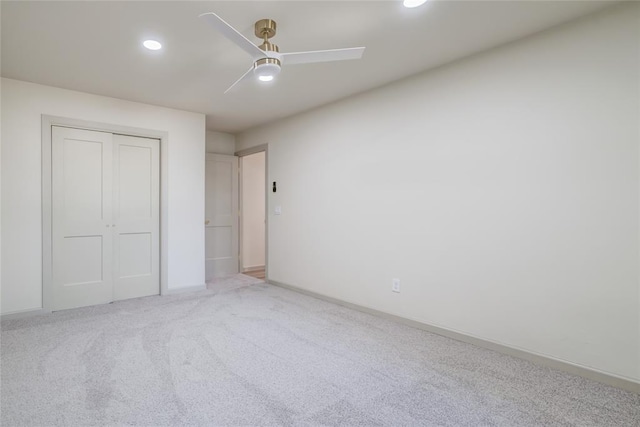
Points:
[(49, 121), (624, 383), (240, 209), (186, 289), (21, 314), (241, 154), (252, 150)]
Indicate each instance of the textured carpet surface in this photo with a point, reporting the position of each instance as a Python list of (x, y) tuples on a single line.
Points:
[(246, 353)]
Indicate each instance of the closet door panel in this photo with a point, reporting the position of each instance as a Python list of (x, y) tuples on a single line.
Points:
[(82, 243), (136, 225)]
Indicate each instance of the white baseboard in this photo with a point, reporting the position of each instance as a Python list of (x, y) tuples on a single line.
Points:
[(253, 268), (539, 359), (41, 311), (185, 289), (24, 313)]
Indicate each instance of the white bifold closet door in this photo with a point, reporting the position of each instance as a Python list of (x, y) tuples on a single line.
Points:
[(105, 217)]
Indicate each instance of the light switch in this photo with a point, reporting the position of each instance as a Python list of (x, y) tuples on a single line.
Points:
[(278, 210)]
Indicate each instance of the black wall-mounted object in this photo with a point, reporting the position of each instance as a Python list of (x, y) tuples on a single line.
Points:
[(274, 186)]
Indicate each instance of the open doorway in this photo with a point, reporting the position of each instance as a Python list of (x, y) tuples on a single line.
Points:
[(253, 225)]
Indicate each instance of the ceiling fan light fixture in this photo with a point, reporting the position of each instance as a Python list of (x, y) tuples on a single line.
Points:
[(266, 69), (413, 3)]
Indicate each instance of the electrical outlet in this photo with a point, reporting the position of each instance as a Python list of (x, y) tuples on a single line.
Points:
[(395, 285)]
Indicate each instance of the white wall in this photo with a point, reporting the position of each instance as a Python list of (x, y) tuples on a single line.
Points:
[(220, 143), (0, 197), (502, 190), (253, 210), (22, 106)]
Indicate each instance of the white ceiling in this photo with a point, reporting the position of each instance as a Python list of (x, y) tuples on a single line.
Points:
[(96, 47)]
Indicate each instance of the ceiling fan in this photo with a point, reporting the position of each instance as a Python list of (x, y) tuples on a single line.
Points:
[(267, 59)]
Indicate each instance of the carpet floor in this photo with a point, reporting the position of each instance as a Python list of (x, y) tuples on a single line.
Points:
[(246, 353)]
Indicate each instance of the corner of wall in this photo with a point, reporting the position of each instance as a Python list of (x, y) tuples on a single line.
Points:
[(220, 143)]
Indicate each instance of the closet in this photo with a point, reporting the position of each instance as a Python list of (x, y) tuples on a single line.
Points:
[(105, 217)]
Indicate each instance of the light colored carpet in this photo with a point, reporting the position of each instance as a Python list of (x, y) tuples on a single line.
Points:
[(246, 353), (258, 274)]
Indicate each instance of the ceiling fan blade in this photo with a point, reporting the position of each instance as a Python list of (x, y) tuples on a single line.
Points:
[(244, 77), (322, 55), (234, 35)]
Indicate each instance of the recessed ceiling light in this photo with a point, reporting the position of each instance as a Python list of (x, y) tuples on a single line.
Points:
[(152, 44), (265, 78), (413, 3)]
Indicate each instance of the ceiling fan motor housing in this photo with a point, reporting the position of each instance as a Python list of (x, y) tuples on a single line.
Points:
[(269, 47)]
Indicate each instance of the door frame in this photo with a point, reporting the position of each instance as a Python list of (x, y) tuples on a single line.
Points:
[(47, 226), (242, 153)]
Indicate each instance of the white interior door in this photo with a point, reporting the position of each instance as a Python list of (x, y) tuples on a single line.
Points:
[(136, 217), (221, 216), (82, 242)]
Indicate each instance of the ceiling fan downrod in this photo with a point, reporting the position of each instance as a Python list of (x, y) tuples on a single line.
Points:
[(266, 29)]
